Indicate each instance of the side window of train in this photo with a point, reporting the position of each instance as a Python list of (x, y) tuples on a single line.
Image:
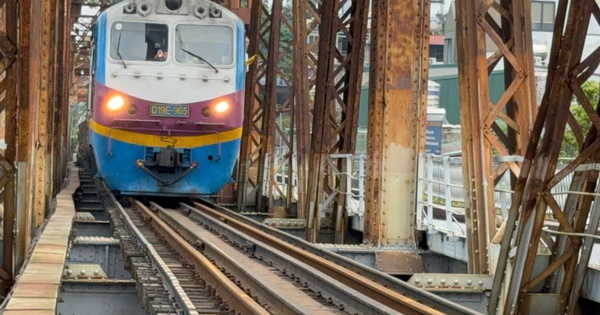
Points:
[(138, 41), (94, 50)]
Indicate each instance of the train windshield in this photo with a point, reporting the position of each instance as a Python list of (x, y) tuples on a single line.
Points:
[(138, 41), (212, 43)]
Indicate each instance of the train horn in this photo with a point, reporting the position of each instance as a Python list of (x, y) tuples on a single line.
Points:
[(129, 8), (201, 11), (144, 8), (215, 12)]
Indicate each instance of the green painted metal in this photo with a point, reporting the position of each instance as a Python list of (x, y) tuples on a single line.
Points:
[(448, 93)]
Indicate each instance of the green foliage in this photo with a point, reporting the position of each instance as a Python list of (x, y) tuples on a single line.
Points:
[(286, 41), (570, 145), (78, 115)]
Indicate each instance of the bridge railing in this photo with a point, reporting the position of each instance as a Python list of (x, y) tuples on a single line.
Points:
[(440, 189), (441, 195)]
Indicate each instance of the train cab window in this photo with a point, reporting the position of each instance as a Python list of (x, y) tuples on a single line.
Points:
[(212, 43), (138, 41)]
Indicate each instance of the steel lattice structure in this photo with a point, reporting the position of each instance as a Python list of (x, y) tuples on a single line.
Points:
[(503, 127), (562, 279), (334, 123), (33, 48)]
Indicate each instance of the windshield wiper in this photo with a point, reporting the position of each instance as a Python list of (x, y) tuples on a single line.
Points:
[(191, 53), (205, 61), (119, 52)]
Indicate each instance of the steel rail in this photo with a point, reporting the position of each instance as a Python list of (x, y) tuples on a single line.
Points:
[(338, 294), (173, 286), (382, 280), (352, 279), (229, 292)]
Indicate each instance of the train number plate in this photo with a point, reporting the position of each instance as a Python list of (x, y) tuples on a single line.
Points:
[(169, 110)]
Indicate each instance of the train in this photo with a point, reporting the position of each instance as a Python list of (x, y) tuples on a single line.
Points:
[(166, 96)]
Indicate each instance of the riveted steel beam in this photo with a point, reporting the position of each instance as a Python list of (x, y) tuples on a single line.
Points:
[(486, 126), (11, 19), (397, 118), (252, 145), (17, 215), (335, 116), (301, 112), (561, 280), (42, 99), (267, 173)]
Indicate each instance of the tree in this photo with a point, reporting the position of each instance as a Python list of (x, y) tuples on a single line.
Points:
[(286, 40), (570, 146)]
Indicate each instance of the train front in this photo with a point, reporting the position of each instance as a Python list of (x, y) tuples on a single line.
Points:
[(167, 98)]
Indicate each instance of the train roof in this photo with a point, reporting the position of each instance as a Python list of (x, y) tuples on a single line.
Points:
[(200, 9)]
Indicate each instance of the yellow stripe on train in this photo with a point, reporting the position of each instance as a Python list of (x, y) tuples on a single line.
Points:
[(163, 141)]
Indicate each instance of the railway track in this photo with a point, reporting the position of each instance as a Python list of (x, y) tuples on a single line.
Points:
[(199, 259)]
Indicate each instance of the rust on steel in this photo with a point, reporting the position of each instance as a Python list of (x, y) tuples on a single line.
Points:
[(19, 145), (568, 70), (266, 163), (229, 291), (301, 111), (503, 126), (242, 8), (335, 115), (9, 78), (41, 98), (397, 118), (366, 286), (267, 144), (251, 146)]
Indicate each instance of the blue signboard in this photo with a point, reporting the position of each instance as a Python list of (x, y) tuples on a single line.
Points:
[(433, 140)]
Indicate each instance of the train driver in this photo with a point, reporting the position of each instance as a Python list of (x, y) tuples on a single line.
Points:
[(161, 55)]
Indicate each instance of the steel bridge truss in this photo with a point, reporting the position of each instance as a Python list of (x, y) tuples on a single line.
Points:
[(502, 127), (323, 84), (34, 105), (561, 279)]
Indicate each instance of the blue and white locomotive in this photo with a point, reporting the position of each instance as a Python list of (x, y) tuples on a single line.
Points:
[(167, 96)]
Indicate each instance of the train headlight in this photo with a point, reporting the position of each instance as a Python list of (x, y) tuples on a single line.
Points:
[(222, 107), (115, 103)]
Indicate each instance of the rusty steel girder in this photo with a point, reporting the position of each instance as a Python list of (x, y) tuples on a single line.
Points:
[(36, 119), (397, 118), (561, 280), (260, 108), (15, 33), (503, 127), (275, 108), (335, 115)]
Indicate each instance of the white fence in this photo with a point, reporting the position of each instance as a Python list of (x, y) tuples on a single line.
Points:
[(440, 191)]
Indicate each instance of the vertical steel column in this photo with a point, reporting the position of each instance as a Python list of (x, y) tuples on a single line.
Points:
[(267, 148), (247, 181), (301, 100), (397, 118), (255, 135), (9, 67), (41, 21), (27, 67), (337, 100), (504, 126), (267, 168), (57, 120), (64, 142), (533, 196)]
